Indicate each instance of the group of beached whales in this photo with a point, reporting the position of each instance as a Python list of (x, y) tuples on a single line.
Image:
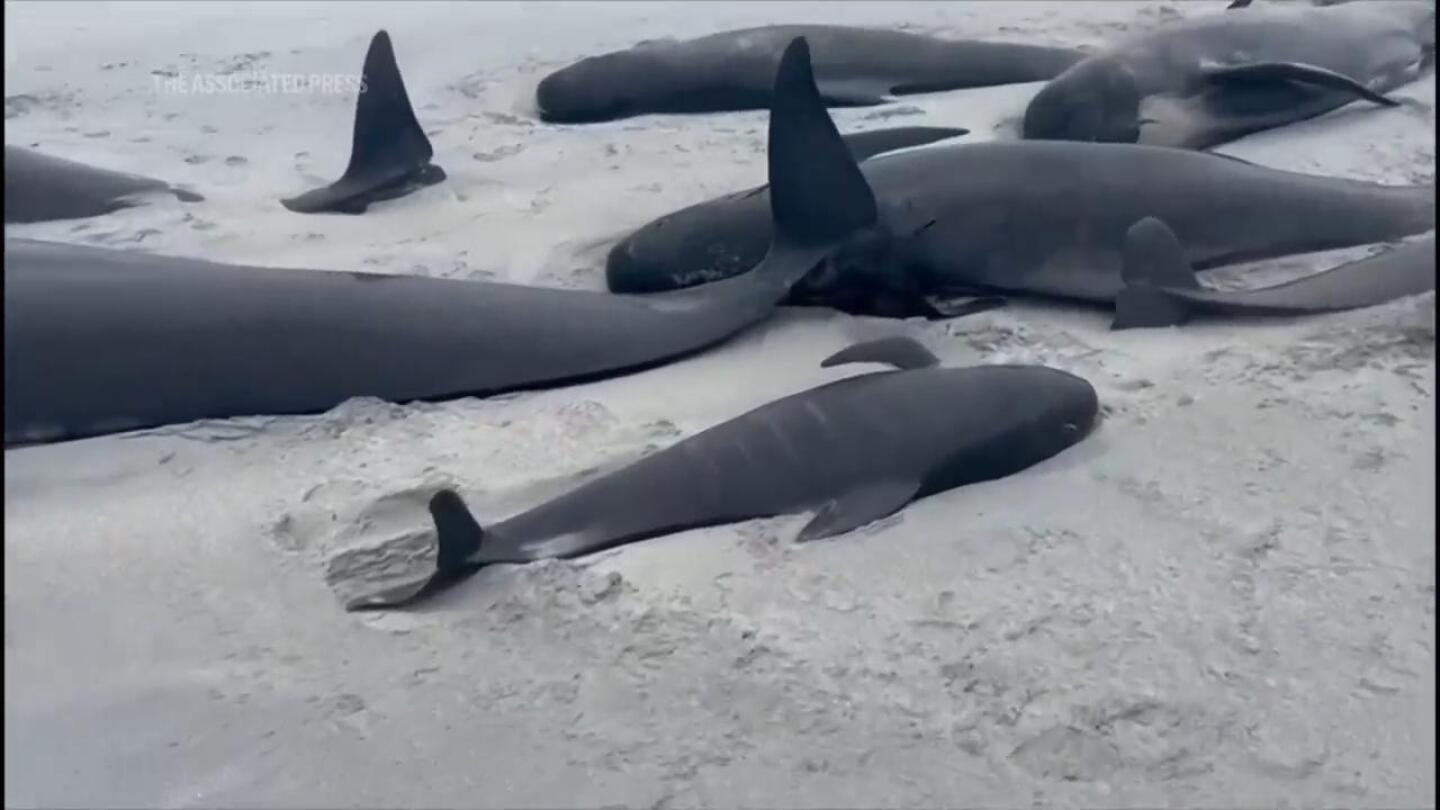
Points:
[(1107, 197)]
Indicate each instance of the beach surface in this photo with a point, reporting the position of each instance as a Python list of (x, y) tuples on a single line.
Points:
[(1225, 597)]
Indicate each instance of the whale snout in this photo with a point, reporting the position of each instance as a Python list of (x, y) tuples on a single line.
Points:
[(1077, 406), (1094, 101), (556, 97), (632, 268), (696, 245), (585, 92), (1047, 117)]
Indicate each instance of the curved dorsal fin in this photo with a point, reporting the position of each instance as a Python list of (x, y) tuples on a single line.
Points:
[(1152, 260), (898, 351), (817, 193), (1153, 254), (387, 149), (386, 130)]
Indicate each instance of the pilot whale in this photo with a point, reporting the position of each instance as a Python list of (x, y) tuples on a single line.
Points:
[(1205, 80), (976, 220), (731, 70), (852, 452)]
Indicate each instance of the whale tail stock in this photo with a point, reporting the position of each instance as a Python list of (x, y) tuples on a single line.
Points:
[(389, 152)]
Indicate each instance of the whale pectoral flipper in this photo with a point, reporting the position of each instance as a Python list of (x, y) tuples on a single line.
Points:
[(1294, 72), (855, 92), (865, 504), (457, 536), (1152, 260), (898, 351)]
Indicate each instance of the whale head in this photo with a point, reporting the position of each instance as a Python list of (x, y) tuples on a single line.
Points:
[(1095, 100), (599, 88)]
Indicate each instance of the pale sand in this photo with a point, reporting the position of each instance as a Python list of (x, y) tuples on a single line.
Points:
[(1224, 598)]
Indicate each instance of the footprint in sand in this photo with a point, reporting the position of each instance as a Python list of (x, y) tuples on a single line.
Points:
[(499, 153)]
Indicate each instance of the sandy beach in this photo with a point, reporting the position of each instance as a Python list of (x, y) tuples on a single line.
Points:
[(1225, 597)]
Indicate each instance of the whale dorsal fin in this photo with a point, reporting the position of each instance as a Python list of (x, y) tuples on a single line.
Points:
[(386, 130), (898, 351), (1238, 4), (387, 145), (1152, 254), (818, 195), (1152, 260)]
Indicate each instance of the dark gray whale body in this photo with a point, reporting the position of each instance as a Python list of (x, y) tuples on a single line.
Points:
[(732, 71), (101, 341), (389, 153), (855, 450), (40, 188), (1199, 82), (1048, 218)]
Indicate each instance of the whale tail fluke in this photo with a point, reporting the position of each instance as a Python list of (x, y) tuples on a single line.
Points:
[(389, 152), (1152, 259), (458, 537)]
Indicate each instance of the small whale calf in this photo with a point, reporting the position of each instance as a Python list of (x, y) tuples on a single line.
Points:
[(852, 451), (732, 70)]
